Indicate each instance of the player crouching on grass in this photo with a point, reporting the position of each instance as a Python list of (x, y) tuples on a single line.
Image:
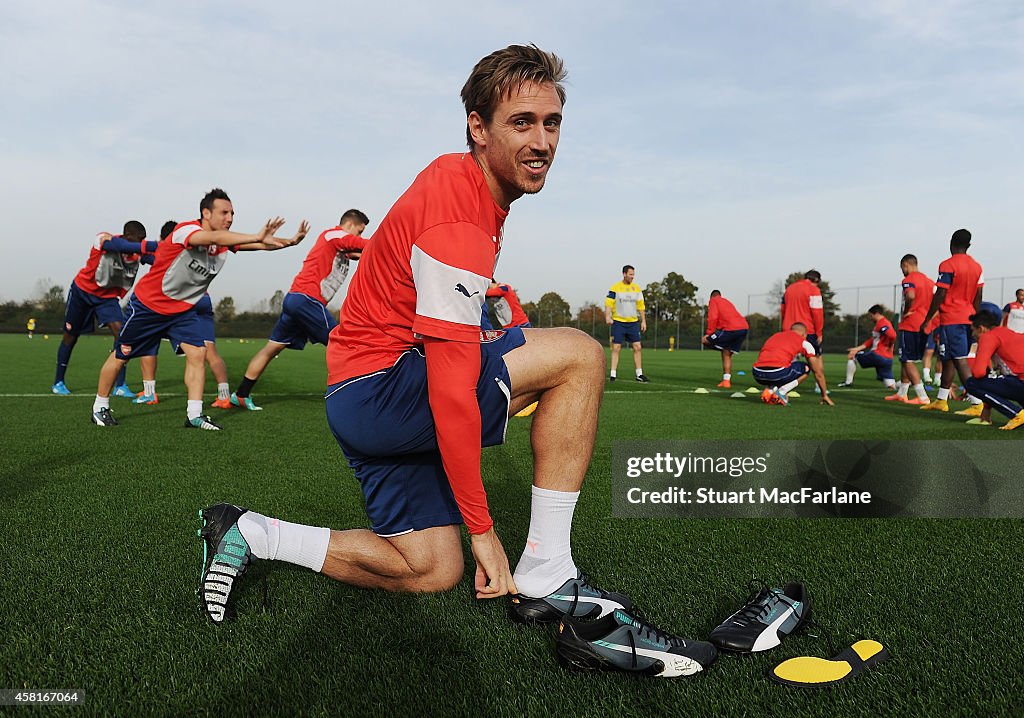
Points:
[(876, 352), (1001, 391), (777, 368), (163, 304), (416, 389)]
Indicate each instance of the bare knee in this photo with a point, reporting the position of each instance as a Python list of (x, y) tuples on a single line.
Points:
[(434, 559), (440, 577), (552, 357)]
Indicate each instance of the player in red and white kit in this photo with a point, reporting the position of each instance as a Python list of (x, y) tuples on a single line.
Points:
[(777, 368), (1013, 314), (726, 331), (304, 316), (415, 389), (163, 304), (507, 308), (876, 352), (958, 292), (802, 302), (911, 339), (95, 294), (1005, 392)]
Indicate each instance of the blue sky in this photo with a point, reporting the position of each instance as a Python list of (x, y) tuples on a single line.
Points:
[(731, 143)]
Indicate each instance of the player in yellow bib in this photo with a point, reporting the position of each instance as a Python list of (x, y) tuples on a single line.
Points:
[(625, 313)]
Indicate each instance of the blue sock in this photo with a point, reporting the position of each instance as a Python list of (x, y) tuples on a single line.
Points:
[(63, 357), (120, 375)]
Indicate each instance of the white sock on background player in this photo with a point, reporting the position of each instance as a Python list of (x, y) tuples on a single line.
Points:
[(786, 388)]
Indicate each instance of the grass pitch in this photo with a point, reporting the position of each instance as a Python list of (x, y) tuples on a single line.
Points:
[(101, 560)]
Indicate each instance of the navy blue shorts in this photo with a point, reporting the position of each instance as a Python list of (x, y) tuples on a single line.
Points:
[(623, 332), (781, 375), (303, 319), (933, 340), (143, 329), (812, 339), (911, 345), (955, 341), (1005, 393), (384, 425), (204, 310), (84, 311), (727, 341), (870, 360)]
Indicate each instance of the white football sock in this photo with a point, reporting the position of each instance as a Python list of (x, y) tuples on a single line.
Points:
[(277, 540), (942, 395), (149, 387), (851, 369), (639, 371), (786, 388), (611, 373), (224, 391), (194, 408), (726, 377), (101, 402), (904, 387), (547, 562), (889, 383), (919, 390)]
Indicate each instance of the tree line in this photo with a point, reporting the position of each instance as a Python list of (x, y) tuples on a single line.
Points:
[(673, 310)]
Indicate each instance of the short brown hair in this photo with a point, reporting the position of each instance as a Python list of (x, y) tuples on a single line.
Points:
[(496, 76), (354, 215)]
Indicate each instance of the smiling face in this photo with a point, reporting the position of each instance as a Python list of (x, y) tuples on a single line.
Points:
[(517, 147)]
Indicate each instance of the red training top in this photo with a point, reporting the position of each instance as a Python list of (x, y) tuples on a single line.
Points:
[(1007, 344), (782, 349), (722, 314), (802, 303), (961, 276), (507, 309), (923, 288), (882, 339), (325, 267), (424, 277)]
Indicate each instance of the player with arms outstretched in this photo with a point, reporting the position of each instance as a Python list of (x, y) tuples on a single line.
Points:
[(95, 294), (163, 304), (304, 316)]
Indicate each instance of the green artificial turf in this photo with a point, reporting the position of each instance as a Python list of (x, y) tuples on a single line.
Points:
[(101, 560)]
